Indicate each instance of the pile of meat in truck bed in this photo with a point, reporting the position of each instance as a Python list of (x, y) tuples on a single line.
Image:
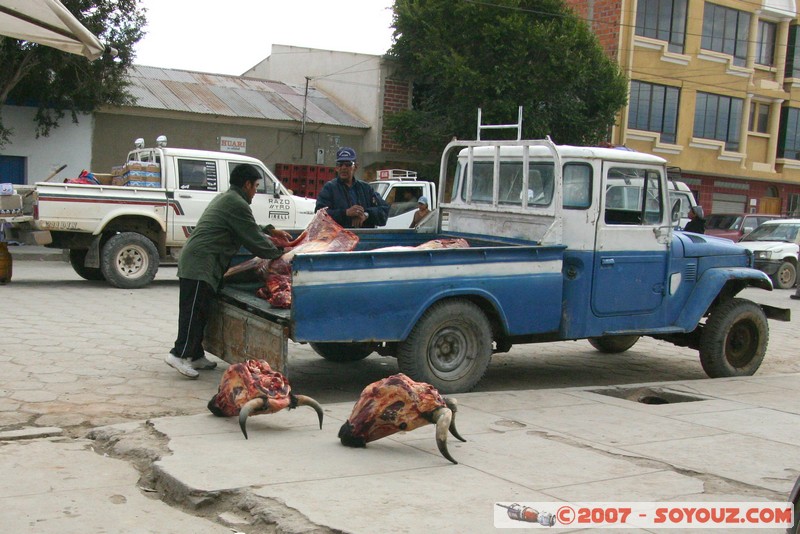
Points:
[(323, 234)]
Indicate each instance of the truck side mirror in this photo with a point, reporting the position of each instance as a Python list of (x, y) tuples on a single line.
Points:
[(275, 189), (675, 215)]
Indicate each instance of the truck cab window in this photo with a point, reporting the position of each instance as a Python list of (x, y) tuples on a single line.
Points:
[(264, 186), (197, 175), (403, 199), (540, 183), (577, 186), (633, 196)]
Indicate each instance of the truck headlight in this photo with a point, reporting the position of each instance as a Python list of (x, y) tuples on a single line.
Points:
[(763, 254)]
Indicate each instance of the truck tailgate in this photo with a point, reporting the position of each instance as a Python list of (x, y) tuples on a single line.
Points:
[(242, 326)]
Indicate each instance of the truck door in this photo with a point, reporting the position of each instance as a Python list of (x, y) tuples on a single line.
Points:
[(268, 208), (197, 183), (632, 242), (402, 198)]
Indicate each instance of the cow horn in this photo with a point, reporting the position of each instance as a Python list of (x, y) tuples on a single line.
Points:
[(453, 405), (302, 400), (254, 404), (442, 418)]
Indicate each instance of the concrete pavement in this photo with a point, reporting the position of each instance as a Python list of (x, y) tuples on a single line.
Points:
[(98, 435), (729, 440)]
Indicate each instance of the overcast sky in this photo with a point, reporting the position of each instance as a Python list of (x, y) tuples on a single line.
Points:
[(230, 36)]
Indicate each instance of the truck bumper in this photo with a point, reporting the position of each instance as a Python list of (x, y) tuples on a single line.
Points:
[(770, 267)]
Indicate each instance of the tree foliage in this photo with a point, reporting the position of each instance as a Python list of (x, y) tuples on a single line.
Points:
[(58, 83), (498, 55)]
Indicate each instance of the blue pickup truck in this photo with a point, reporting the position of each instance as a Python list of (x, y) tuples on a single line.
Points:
[(551, 258)]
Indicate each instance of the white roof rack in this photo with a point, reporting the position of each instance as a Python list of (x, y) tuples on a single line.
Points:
[(396, 174)]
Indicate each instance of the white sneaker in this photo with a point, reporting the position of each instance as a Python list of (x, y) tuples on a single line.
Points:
[(182, 366), (203, 364)]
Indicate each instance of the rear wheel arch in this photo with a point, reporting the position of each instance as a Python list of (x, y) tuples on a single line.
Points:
[(150, 227), (488, 306)]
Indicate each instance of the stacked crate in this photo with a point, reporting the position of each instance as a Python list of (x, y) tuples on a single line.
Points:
[(304, 180)]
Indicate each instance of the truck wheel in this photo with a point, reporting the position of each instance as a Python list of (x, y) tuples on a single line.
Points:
[(613, 344), (734, 339), (343, 352), (77, 258), (786, 276), (129, 260), (449, 347)]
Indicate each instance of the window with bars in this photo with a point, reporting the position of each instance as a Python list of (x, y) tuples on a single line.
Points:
[(718, 117), (654, 108), (726, 31), (664, 20)]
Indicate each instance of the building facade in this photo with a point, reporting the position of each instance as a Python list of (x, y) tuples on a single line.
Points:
[(714, 89), (276, 122), (365, 85)]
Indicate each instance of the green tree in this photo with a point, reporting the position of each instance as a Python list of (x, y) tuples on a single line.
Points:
[(499, 55), (58, 83)]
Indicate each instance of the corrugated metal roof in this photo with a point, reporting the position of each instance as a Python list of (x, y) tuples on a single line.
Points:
[(233, 96)]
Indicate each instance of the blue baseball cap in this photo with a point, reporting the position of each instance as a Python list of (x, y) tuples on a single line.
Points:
[(423, 200), (345, 154)]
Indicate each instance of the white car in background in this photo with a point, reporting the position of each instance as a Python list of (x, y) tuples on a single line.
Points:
[(775, 245)]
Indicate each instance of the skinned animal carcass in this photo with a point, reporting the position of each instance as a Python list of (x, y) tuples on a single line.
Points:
[(323, 234), (399, 404), (253, 388)]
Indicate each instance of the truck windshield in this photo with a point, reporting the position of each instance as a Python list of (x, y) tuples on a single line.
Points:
[(774, 232), (724, 222), (379, 187), (540, 183)]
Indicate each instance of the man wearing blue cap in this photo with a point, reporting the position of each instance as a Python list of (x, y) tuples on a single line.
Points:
[(351, 202)]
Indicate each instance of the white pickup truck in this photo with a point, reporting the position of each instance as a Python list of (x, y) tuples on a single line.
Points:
[(402, 190), (122, 232)]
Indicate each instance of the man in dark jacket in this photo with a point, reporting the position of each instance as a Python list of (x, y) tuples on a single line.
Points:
[(226, 224), (351, 202), (697, 223)]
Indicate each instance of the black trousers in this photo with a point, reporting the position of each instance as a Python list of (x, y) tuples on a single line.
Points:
[(193, 305)]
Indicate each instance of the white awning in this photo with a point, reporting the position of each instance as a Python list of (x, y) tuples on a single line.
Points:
[(48, 23)]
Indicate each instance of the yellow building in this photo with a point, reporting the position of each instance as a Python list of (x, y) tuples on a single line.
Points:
[(714, 87)]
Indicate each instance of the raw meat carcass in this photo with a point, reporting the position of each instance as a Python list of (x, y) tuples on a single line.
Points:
[(429, 245), (253, 388), (323, 234), (397, 404)]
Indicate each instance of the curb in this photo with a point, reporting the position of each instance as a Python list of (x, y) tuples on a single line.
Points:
[(25, 253)]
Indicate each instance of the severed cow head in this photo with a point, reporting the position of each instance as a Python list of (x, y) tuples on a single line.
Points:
[(253, 388), (398, 404)]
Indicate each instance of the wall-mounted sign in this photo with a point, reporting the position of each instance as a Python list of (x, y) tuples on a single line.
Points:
[(233, 144)]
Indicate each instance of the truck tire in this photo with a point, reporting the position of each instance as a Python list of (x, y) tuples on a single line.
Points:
[(734, 339), (449, 347), (77, 258), (129, 260), (786, 276), (613, 344), (343, 352)]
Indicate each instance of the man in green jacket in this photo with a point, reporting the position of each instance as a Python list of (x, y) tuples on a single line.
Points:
[(226, 224)]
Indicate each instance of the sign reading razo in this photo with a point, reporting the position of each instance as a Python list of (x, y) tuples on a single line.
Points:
[(233, 144)]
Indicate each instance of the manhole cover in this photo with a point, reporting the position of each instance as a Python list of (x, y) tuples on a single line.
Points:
[(648, 395)]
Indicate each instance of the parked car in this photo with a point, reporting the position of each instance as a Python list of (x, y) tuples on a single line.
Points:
[(734, 226), (775, 245)]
